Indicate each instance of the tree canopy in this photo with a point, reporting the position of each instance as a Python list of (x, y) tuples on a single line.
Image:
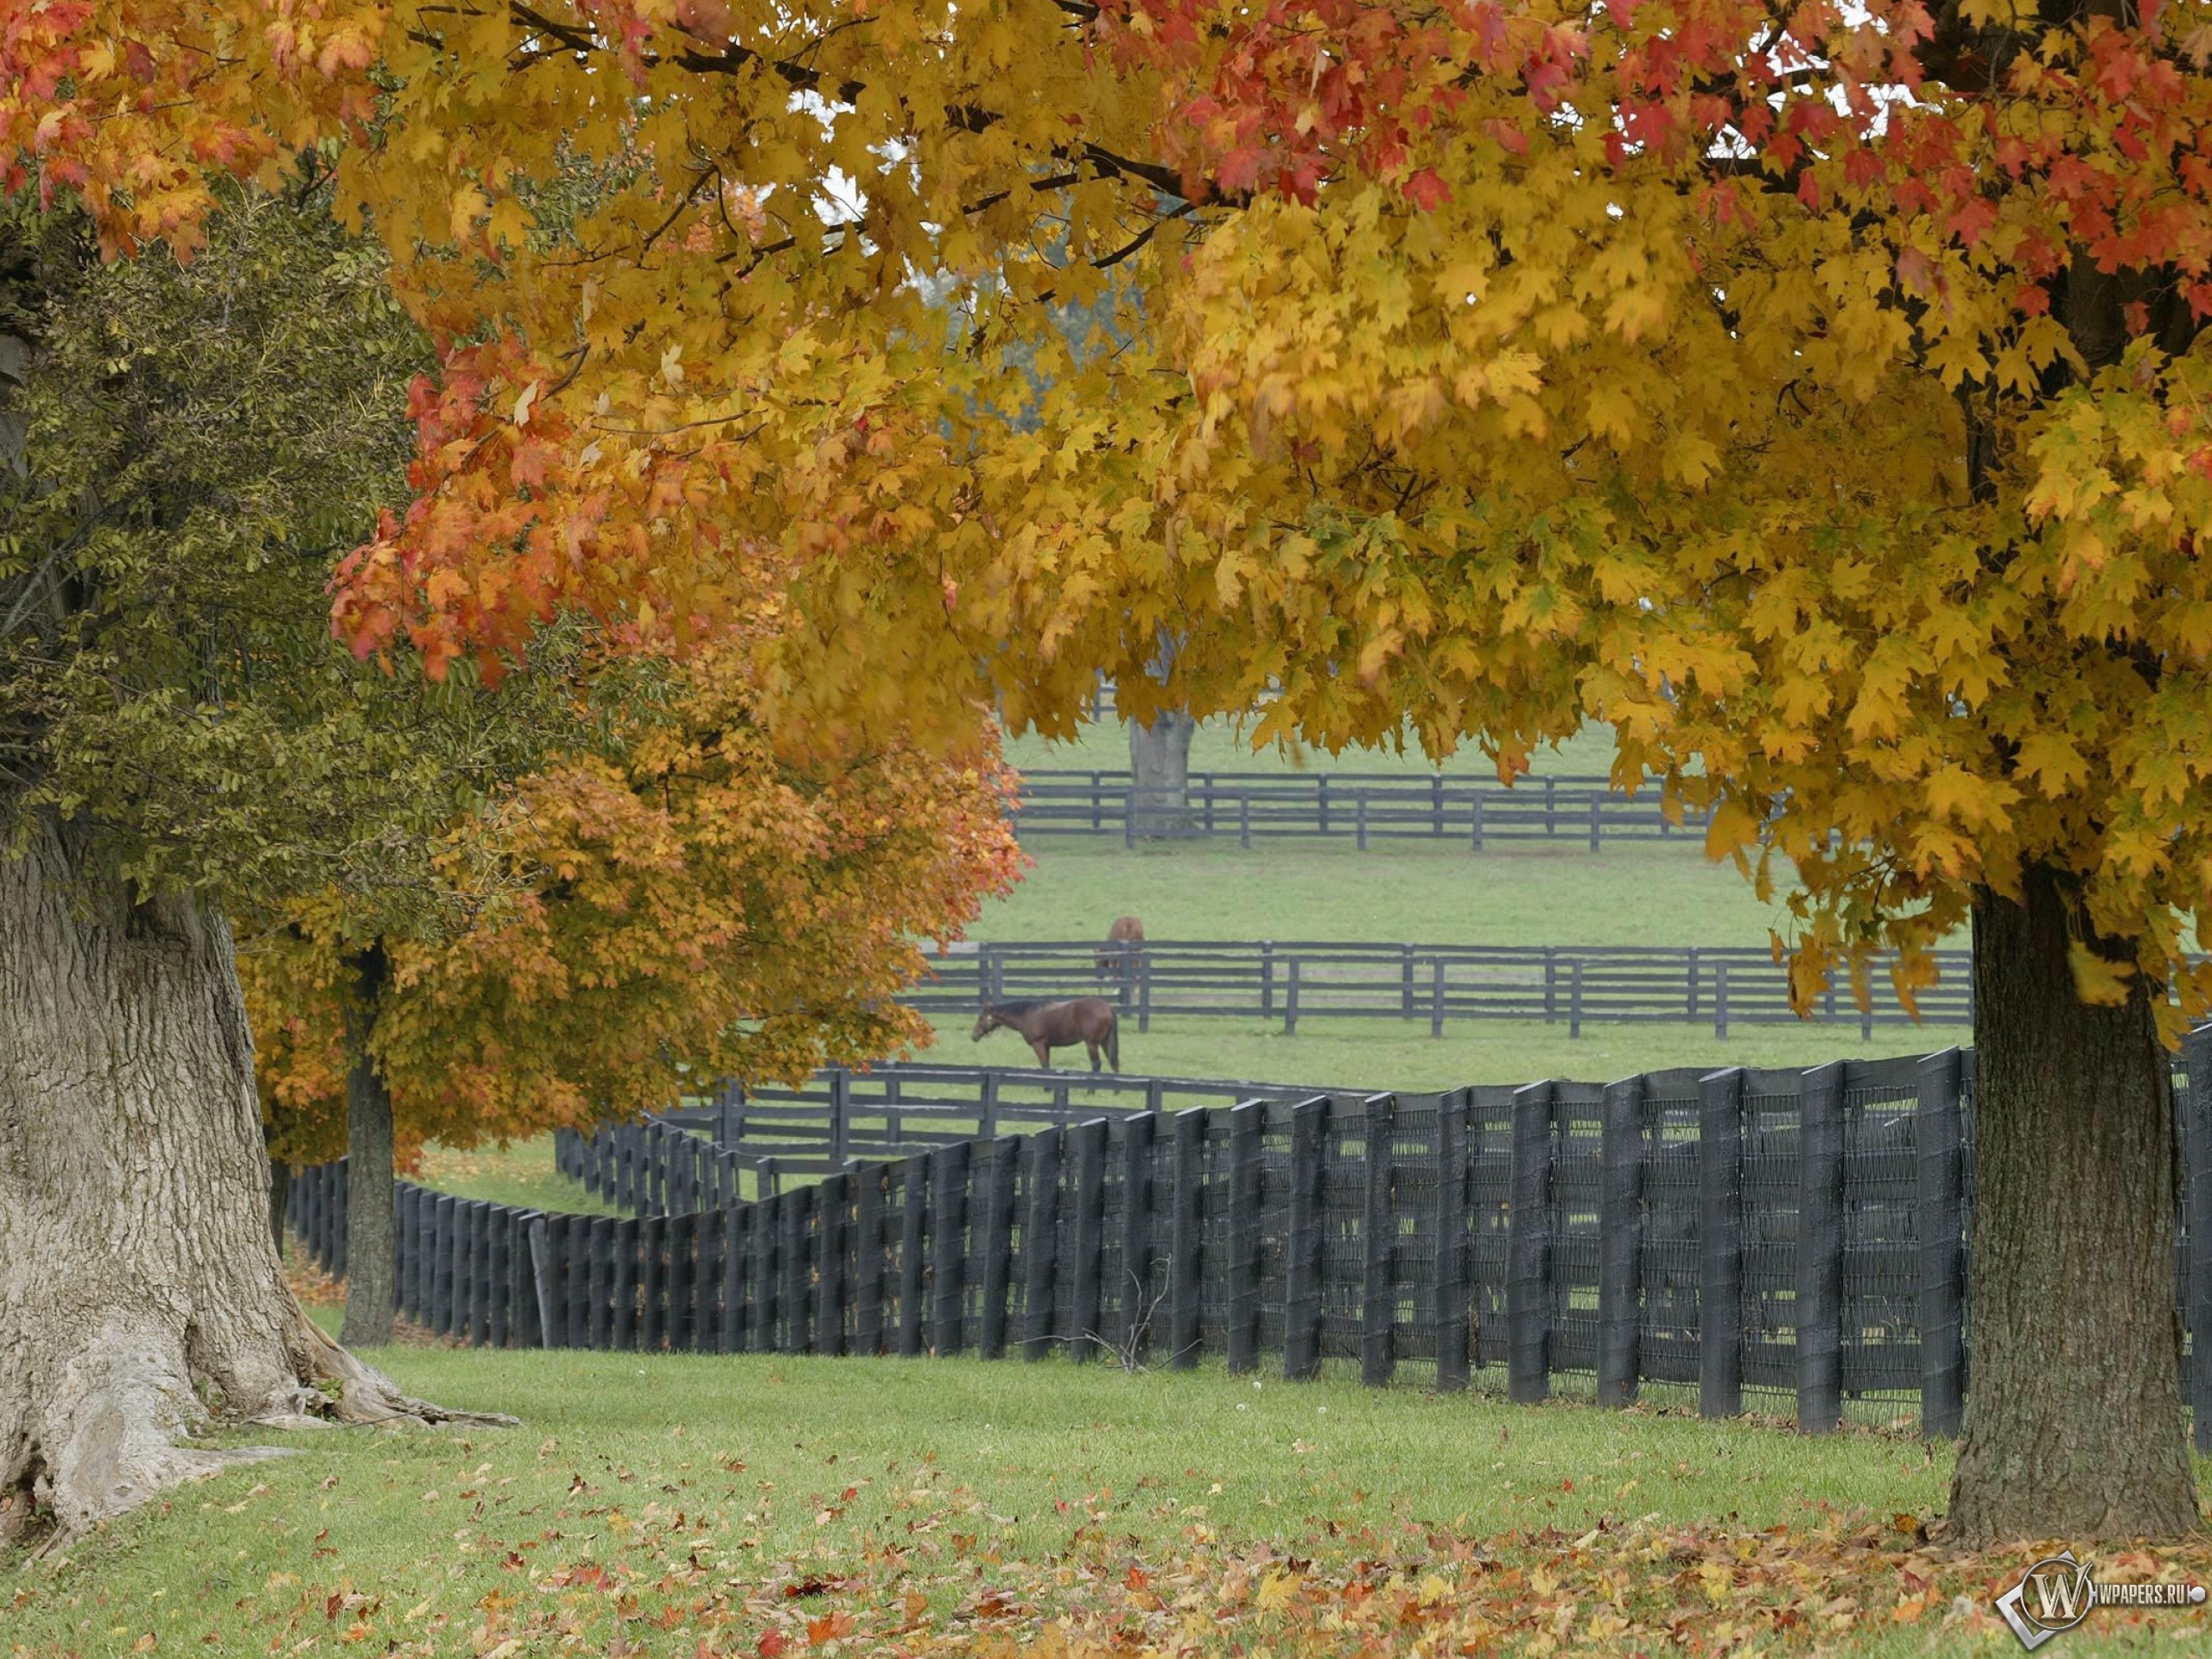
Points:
[(674, 908), (1491, 353), (1814, 392)]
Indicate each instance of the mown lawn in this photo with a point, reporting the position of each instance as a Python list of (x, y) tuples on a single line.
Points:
[(522, 1173), (1379, 1054), (765, 1506)]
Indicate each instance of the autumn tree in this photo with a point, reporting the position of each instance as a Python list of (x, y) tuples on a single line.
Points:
[(1812, 392), (677, 907), (188, 450)]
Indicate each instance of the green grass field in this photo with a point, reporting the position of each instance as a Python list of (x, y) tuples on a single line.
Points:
[(1379, 1054), (678, 1506), (1651, 893)]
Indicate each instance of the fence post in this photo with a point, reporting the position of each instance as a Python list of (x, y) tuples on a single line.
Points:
[(1323, 781), (840, 1109), (1301, 1319), (1086, 1337), (1246, 1122), (2196, 1198), (768, 1229), (1720, 1001), (1140, 1130), (1244, 819), (1290, 1002), (501, 1271), (831, 1200), (540, 1241), (652, 1283), (797, 1305), (1551, 808), (1378, 1233), (1436, 805), (1129, 819), (1185, 1267), (598, 1288), (1144, 990), (1478, 821), (1720, 1233), (1405, 982), (998, 1246), (915, 1175), (1040, 1242), (624, 1329), (737, 1222), (1266, 979), (1574, 999), (680, 1282), (1360, 802), (987, 1127), (1690, 1012), (1451, 1297), (1551, 984), (1436, 999), (441, 1209), (707, 1240), (1527, 1281), (1936, 1133), (1620, 1230), (948, 1249), (867, 1260), (1596, 801), (1820, 1251)]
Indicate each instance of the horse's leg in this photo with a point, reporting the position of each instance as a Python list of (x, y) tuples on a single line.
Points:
[(1091, 1043), (1044, 1052)]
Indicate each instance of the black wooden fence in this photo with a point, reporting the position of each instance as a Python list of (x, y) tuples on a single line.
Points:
[(1795, 1238), (1440, 984), (1474, 812)]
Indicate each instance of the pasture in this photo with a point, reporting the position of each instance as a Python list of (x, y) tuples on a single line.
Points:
[(761, 1505)]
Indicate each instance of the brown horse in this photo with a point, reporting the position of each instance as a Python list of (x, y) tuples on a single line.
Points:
[(1046, 1023), (1124, 944)]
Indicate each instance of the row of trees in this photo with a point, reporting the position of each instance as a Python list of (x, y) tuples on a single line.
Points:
[(1813, 392)]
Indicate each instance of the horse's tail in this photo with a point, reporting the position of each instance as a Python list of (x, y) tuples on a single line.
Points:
[(1113, 1040)]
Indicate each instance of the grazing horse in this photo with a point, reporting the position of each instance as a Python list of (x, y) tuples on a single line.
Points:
[(1046, 1023), (1124, 944)]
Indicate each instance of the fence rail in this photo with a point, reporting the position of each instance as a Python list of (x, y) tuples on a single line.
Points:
[(1362, 807), (1441, 984), (1795, 1235)]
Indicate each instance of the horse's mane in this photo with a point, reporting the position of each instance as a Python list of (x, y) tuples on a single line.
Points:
[(1023, 1004)]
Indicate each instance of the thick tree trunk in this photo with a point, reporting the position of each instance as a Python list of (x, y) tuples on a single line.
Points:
[(1160, 767), (280, 1200), (2074, 1426), (371, 1239), (140, 1294)]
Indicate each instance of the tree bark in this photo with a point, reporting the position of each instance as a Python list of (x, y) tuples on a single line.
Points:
[(140, 1294), (1160, 768), (371, 1236), (2074, 1426), (279, 1193)]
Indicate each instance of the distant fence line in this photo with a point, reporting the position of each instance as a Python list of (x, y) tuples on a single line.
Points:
[(1290, 981), (1361, 807), (1739, 1233)]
